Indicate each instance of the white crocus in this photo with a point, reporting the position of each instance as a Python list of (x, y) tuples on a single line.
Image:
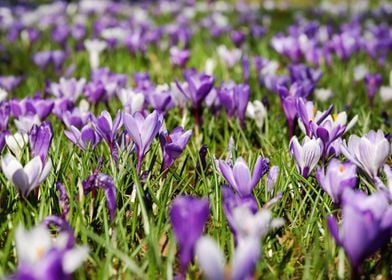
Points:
[(16, 143), (177, 96), (360, 72), (368, 152), (3, 94), (257, 111), (25, 123), (33, 246), (94, 48), (323, 94), (26, 178), (132, 101), (210, 66), (211, 258), (386, 91)]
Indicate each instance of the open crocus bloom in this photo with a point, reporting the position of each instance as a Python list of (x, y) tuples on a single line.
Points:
[(42, 257), (25, 179), (240, 178), (368, 152), (337, 178)]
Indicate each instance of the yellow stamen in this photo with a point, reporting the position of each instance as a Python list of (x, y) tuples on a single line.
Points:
[(39, 251), (341, 168)]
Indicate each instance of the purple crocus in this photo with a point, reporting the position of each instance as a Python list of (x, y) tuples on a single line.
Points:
[(288, 98), (173, 145), (9, 83), (373, 83), (108, 129), (306, 155), (68, 88), (337, 178), (161, 98), (231, 200), (369, 152), (239, 176), (31, 106), (5, 111), (40, 138), (272, 177), (188, 216), (106, 183), (234, 98), (366, 225), (142, 130), (179, 57), (86, 137), (195, 89), (252, 227), (44, 58)]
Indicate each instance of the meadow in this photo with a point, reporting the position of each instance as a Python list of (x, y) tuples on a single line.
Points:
[(196, 140)]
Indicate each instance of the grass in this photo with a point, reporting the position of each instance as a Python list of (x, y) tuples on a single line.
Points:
[(140, 244)]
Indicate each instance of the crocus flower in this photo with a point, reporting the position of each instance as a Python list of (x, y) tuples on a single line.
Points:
[(322, 125), (142, 130), (27, 178), (323, 94), (229, 57), (132, 101), (9, 83), (232, 200), (40, 138), (386, 91), (16, 143), (173, 145), (42, 257), (5, 111), (105, 182), (360, 72), (179, 57), (94, 48), (25, 123), (31, 106), (288, 98), (195, 89), (306, 155), (68, 88), (368, 152), (239, 176), (253, 227), (86, 137), (366, 225), (108, 128), (161, 98), (3, 94), (188, 216), (272, 177), (257, 111), (337, 178), (234, 98), (373, 83), (44, 58)]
